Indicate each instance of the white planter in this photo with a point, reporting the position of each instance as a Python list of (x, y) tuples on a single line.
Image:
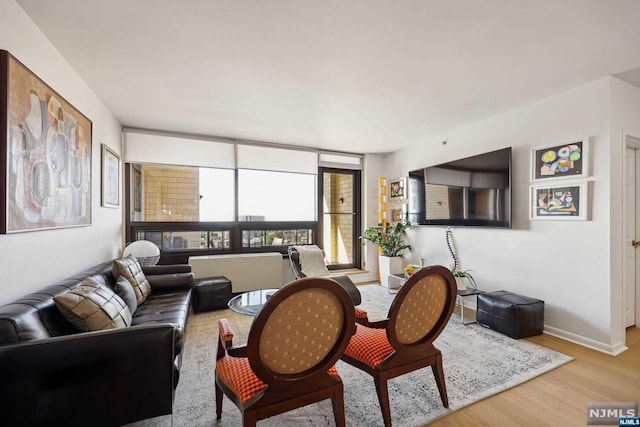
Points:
[(461, 282), (389, 265)]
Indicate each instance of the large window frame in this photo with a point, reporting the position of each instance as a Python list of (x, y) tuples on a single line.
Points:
[(235, 229)]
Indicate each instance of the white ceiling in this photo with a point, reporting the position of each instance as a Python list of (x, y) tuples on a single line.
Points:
[(358, 75)]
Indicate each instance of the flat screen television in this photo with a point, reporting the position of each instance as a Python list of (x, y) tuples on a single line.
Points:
[(474, 191)]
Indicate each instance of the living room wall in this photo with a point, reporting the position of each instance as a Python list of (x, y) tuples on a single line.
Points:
[(564, 263), (31, 260)]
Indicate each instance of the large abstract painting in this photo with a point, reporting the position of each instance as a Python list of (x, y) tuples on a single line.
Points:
[(47, 144)]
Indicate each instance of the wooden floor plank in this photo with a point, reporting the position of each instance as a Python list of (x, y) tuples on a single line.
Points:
[(560, 397)]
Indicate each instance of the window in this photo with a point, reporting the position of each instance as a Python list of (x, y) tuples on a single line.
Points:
[(167, 193), (276, 196)]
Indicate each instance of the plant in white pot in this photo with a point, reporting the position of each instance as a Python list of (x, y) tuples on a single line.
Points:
[(464, 279), (390, 239)]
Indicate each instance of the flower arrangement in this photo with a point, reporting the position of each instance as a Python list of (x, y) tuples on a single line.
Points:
[(389, 238)]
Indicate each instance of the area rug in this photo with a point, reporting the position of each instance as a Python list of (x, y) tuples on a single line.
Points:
[(477, 363)]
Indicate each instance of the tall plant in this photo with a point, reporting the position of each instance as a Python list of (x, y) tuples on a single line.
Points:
[(389, 238)]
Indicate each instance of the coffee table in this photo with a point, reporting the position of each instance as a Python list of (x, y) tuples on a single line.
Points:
[(250, 303)]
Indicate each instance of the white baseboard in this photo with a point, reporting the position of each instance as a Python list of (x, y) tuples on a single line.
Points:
[(612, 349)]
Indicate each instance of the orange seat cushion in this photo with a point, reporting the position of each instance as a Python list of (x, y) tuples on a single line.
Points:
[(237, 374), (369, 345)]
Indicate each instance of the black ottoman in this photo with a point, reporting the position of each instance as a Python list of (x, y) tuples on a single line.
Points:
[(511, 314), (211, 293)]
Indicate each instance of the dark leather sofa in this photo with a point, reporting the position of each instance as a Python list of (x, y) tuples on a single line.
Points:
[(50, 374)]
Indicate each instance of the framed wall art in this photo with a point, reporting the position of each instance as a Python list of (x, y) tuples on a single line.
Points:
[(45, 154), (568, 160), (398, 213), (110, 178), (561, 201), (397, 189)]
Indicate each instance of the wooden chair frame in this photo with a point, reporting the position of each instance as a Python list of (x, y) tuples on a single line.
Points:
[(285, 392), (409, 357)]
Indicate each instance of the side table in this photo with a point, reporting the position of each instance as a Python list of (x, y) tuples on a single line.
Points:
[(462, 294)]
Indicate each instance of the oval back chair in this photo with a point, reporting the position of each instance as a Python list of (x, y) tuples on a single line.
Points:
[(403, 342), (289, 358)]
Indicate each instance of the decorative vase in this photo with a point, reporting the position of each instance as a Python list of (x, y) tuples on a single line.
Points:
[(461, 283), (387, 266)]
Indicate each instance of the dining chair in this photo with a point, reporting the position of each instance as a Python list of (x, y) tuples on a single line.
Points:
[(403, 342)]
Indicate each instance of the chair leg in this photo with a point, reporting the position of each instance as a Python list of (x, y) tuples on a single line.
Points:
[(438, 373), (249, 419), (383, 397), (219, 396), (338, 406)]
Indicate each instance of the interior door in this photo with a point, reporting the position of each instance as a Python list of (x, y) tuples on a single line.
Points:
[(630, 252), (339, 217)]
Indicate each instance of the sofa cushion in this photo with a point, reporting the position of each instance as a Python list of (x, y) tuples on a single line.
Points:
[(125, 291), (131, 269), (93, 307)]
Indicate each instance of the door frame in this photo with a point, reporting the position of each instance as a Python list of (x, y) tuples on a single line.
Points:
[(357, 217), (630, 141)]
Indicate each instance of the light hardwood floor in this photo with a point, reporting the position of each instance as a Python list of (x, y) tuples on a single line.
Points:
[(560, 397)]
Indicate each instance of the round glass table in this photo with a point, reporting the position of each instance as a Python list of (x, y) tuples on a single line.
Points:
[(250, 303)]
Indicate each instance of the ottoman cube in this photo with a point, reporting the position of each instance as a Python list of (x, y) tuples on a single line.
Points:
[(211, 293), (511, 314)]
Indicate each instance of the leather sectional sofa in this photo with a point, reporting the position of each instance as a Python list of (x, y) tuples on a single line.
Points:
[(51, 374)]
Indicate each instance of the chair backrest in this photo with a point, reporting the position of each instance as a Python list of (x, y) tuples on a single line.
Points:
[(294, 259), (301, 331), (421, 309)]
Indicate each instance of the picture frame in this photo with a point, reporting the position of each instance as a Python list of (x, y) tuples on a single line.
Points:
[(45, 154), (137, 188), (398, 214), (397, 189), (110, 162), (567, 200), (562, 161)]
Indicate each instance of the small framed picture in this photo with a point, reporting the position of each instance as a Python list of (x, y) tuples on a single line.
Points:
[(561, 201), (396, 215), (569, 160), (397, 189), (110, 178)]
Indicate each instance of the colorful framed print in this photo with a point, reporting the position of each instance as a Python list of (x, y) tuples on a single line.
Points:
[(568, 160), (110, 178), (397, 189), (45, 154), (562, 201)]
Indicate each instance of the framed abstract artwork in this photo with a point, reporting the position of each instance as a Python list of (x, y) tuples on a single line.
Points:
[(45, 154), (568, 160), (561, 201), (397, 189), (110, 178)]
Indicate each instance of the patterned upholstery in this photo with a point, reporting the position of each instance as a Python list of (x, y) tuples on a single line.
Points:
[(421, 309), (403, 342), (288, 361), (361, 314), (93, 307), (369, 345), (301, 331), (130, 268), (236, 373), (226, 334)]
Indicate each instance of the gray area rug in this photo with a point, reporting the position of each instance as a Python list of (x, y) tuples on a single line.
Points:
[(477, 362)]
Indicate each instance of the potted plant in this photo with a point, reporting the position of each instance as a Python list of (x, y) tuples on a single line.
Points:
[(464, 279), (390, 239)]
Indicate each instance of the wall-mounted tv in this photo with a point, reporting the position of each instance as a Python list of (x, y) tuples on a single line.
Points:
[(474, 191)]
